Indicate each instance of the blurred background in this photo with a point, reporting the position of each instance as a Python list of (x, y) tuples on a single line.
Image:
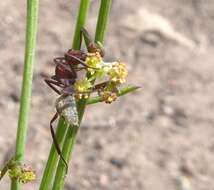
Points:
[(160, 137)]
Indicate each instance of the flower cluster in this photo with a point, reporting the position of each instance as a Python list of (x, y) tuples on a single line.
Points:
[(93, 61), (23, 174), (19, 172), (82, 87), (113, 74), (118, 73), (108, 96)]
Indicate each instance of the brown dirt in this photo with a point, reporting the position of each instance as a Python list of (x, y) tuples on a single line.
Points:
[(158, 138)]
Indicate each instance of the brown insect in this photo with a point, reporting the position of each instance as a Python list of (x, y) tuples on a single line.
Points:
[(66, 73)]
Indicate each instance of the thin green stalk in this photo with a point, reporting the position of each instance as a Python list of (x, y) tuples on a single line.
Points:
[(83, 12), (72, 131), (101, 26), (122, 92), (31, 31), (102, 20), (66, 152), (53, 158)]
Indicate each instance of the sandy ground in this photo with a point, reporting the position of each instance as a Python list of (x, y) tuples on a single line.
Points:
[(158, 138)]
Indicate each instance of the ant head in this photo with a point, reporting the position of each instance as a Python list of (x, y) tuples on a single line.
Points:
[(96, 47)]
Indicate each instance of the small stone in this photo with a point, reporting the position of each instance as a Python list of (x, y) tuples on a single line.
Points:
[(119, 163), (86, 183), (98, 145), (168, 110), (91, 157), (15, 97), (104, 180), (183, 183), (115, 175)]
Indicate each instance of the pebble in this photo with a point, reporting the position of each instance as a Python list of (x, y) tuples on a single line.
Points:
[(119, 163), (104, 180)]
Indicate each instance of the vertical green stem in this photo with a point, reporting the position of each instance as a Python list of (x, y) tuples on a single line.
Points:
[(83, 12), (31, 31), (102, 20), (53, 158), (66, 151), (72, 131)]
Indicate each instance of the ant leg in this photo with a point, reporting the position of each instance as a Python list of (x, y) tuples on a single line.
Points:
[(51, 84), (69, 90), (96, 88), (81, 62), (79, 68), (100, 86), (55, 140)]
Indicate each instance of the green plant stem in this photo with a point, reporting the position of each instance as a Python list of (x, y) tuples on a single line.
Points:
[(50, 170), (122, 92), (72, 131), (66, 152), (30, 45), (53, 158), (102, 21), (83, 12)]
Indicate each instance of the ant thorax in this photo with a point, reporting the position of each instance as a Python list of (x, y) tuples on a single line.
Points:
[(67, 108)]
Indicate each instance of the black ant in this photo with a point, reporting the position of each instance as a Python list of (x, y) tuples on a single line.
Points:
[(64, 78)]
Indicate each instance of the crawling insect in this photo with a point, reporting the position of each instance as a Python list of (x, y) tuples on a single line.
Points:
[(66, 74), (67, 67)]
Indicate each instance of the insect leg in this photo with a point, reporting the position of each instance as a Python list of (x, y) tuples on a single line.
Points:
[(51, 84), (55, 140), (81, 62)]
